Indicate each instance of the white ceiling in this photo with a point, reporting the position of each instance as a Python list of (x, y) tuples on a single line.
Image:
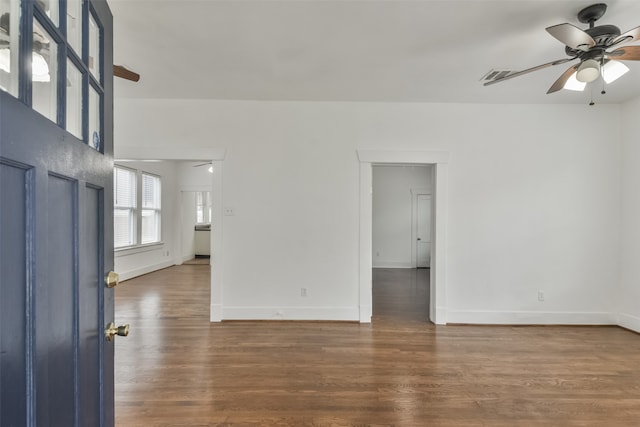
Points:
[(353, 50)]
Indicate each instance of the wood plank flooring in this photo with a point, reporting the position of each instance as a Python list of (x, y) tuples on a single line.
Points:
[(177, 369)]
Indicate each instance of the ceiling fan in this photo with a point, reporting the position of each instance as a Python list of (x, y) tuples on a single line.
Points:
[(209, 169), (124, 73), (592, 47)]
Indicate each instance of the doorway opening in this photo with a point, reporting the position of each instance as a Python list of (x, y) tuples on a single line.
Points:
[(215, 157), (437, 272), (195, 226), (401, 238)]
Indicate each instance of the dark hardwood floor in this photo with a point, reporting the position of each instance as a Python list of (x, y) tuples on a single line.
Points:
[(177, 369)]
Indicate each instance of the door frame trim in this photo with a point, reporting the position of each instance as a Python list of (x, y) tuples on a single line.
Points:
[(438, 272), (216, 156)]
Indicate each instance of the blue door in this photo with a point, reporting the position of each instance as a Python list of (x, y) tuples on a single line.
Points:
[(56, 213)]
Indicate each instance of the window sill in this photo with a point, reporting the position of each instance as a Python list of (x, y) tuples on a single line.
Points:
[(130, 250)]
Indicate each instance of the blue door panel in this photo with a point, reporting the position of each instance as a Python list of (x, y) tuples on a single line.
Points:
[(13, 295), (90, 303), (55, 333), (56, 243)]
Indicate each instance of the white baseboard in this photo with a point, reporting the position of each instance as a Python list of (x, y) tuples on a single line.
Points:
[(145, 270), (366, 312), (530, 317), (291, 313), (188, 258), (440, 316), (630, 322), (391, 264), (215, 313)]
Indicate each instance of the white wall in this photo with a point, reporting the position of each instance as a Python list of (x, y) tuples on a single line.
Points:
[(194, 176), (392, 212), (630, 273), (134, 262), (534, 201)]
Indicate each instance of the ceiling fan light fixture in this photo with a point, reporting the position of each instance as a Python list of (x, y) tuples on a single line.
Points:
[(574, 84), (588, 71), (39, 68), (613, 70), (5, 60)]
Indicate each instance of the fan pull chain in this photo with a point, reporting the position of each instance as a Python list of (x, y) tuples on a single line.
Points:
[(592, 103), (603, 92)]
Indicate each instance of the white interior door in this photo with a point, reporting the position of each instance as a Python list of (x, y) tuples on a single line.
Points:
[(423, 227)]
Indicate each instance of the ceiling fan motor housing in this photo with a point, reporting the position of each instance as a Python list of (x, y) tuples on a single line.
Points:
[(603, 35)]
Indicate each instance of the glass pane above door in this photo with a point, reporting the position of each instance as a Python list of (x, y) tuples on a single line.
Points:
[(44, 72), (95, 126), (74, 25), (74, 100), (94, 48), (52, 9), (9, 44)]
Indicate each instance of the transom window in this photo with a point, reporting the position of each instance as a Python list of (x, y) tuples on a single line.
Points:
[(55, 65)]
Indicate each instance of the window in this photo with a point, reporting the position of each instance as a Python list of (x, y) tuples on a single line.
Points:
[(132, 225), (150, 209), (203, 207), (124, 213)]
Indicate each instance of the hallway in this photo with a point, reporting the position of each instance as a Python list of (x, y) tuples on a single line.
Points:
[(401, 294)]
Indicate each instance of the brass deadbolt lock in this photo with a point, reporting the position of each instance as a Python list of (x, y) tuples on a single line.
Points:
[(113, 330), (112, 279)]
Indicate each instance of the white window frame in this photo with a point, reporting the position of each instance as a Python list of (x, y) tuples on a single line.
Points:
[(206, 206), (139, 208), (131, 209), (157, 210)]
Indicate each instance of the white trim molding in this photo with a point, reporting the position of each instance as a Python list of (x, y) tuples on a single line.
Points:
[(629, 322), (216, 156), (480, 317), (145, 270), (403, 157), (438, 289), (175, 152), (346, 314)]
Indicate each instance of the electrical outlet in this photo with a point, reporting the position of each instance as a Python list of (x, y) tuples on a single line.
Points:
[(303, 292), (540, 296), (229, 211)]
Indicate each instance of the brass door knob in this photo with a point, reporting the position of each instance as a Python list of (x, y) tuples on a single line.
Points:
[(112, 279), (113, 330)]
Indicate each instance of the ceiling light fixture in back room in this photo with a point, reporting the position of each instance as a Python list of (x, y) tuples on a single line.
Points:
[(592, 47)]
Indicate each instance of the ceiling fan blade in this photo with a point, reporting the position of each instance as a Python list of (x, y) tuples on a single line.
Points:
[(529, 70), (572, 36), (629, 53), (122, 72), (627, 37), (562, 80)]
